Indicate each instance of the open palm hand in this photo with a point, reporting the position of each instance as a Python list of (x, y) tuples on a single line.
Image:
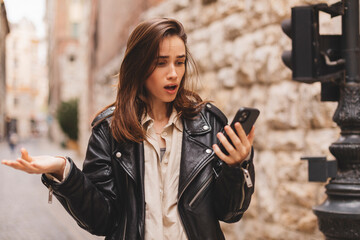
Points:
[(38, 164)]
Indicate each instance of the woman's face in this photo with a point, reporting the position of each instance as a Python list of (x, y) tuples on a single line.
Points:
[(163, 83)]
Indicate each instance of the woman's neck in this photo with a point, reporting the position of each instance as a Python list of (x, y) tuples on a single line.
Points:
[(159, 112), (161, 117)]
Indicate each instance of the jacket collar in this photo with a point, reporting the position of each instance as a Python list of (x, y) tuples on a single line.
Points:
[(197, 126)]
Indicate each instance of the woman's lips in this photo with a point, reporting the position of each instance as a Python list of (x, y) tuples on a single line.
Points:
[(171, 88)]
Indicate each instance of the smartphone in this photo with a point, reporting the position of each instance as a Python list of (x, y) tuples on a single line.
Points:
[(246, 117)]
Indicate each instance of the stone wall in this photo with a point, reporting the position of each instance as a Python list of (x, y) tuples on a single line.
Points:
[(238, 46)]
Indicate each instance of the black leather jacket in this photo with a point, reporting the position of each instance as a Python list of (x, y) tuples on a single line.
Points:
[(107, 197)]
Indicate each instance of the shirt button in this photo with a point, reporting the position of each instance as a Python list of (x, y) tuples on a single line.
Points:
[(208, 105), (118, 154), (164, 134), (206, 127), (208, 151)]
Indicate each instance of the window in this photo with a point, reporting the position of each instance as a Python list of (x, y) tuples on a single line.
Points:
[(16, 101), (75, 30)]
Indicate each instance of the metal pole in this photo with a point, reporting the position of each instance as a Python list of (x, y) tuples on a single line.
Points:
[(350, 31), (339, 215)]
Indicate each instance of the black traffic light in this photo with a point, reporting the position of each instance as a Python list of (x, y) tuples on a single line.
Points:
[(313, 57)]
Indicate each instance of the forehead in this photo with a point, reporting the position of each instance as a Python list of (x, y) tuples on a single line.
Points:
[(172, 45)]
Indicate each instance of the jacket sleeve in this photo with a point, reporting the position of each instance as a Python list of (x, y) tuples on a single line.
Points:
[(232, 192), (89, 195)]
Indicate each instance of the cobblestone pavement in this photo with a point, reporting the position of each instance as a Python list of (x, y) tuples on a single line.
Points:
[(24, 210)]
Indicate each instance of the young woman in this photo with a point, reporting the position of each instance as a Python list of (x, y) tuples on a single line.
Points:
[(153, 167)]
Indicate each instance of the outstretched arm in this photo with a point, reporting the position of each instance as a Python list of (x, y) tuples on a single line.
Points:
[(38, 164)]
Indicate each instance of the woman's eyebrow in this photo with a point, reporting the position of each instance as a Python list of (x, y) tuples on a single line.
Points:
[(164, 57)]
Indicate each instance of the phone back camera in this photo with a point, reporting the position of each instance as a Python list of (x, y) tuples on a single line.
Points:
[(243, 116)]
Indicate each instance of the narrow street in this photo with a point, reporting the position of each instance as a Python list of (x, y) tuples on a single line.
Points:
[(24, 210)]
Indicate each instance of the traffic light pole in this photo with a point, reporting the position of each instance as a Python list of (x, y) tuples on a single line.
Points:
[(339, 215), (350, 31)]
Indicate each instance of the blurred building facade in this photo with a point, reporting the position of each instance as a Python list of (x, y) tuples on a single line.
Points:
[(4, 31), (26, 82), (66, 55), (86, 41), (238, 46)]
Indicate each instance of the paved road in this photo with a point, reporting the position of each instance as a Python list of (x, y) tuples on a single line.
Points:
[(24, 211)]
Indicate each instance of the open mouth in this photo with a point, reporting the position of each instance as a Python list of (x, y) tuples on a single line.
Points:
[(171, 87)]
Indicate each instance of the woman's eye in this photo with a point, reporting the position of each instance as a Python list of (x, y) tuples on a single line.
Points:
[(161, 63), (180, 63)]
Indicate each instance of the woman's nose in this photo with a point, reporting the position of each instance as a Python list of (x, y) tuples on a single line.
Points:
[(172, 71)]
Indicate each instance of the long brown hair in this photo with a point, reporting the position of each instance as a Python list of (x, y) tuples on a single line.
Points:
[(138, 64)]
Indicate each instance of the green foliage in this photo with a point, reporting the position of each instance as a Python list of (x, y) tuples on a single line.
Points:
[(67, 115)]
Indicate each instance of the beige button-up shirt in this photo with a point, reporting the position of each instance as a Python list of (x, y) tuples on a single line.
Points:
[(161, 181)]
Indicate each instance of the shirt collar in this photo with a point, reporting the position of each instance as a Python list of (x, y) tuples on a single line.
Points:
[(175, 119), (147, 121)]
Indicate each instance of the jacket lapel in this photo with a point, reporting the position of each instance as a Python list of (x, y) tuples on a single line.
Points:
[(125, 154), (195, 154)]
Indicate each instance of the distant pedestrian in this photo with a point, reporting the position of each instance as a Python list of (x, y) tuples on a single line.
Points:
[(153, 167), (13, 140)]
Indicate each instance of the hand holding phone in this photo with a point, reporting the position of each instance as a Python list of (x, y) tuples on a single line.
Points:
[(246, 117)]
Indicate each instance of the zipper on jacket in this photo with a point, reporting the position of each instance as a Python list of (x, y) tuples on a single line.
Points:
[(249, 184), (125, 223), (242, 196), (50, 197), (195, 174), (247, 178), (124, 234), (206, 184), (76, 218), (181, 215)]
